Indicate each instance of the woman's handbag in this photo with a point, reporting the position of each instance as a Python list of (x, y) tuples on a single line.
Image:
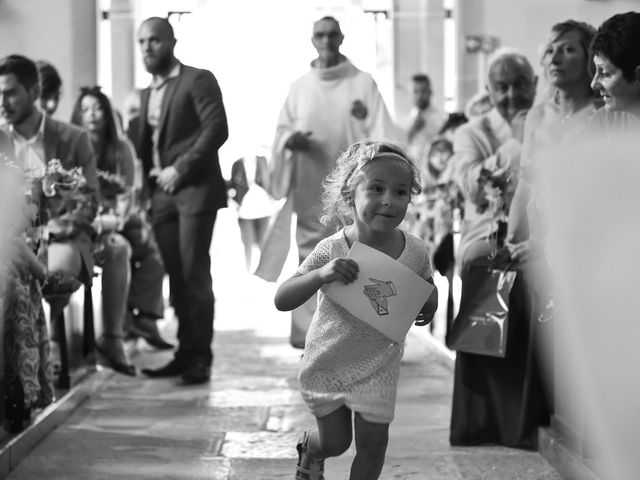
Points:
[(482, 323)]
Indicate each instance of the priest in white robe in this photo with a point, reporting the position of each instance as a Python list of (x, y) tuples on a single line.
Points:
[(332, 106)]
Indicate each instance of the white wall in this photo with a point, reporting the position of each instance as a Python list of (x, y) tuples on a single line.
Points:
[(418, 48), (63, 32), (256, 48)]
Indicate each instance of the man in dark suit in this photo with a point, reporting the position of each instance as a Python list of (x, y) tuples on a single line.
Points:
[(183, 124)]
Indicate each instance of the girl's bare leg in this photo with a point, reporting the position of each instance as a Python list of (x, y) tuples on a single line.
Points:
[(371, 446), (333, 436)]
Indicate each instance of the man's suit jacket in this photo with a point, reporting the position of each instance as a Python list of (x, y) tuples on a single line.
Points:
[(71, 145), (192, 127), (474, 144)]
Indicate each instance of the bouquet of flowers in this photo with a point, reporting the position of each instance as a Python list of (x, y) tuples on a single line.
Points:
[(430, 217), (64, 203), (115, 202), (111, 185), (495, 185), (498, 186), (54, 190), (60, 182)]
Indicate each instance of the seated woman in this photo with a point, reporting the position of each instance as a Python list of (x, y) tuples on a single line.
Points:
[(132, 270), (111, 251)]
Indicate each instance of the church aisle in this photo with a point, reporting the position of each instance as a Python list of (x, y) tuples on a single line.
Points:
[(245, 423)]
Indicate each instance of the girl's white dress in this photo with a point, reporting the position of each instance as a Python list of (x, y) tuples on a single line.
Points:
[(346, 361)]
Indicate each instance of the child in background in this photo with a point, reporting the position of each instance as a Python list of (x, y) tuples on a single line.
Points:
[(439, 193), (430, 216), (348, 365), (248, 186)]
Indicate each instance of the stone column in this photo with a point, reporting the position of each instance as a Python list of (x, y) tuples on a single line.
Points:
[(418, 48), (123, 44), (62, 32), (469, 20)]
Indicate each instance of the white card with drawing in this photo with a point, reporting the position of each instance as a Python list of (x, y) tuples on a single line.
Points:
[(387, 295)]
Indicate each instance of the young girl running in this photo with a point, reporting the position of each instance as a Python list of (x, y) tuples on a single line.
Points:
[(348, 365)]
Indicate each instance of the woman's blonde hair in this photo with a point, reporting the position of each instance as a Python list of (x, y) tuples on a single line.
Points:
[(585, 33), (340, 184)]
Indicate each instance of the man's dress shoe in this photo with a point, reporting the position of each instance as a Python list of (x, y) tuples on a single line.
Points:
[(172, 369), (197, 372)]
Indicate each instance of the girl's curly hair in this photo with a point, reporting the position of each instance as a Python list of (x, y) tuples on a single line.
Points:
[(340, 184)]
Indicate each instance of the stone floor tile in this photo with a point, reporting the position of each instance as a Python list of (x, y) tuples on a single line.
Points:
[(244, 424), (260, 444), (94, 454)]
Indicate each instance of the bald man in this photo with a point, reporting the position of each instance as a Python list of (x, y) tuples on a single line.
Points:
[(183, 124), (327, 109)]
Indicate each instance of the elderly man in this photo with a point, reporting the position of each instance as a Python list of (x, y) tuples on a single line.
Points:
[(332, 106), (495, 400), (491, 143), (183, 124)]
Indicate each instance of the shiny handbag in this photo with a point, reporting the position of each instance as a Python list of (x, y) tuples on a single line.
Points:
[(482, 323)]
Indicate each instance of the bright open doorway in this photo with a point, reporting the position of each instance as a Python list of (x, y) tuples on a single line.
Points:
[(256, 49)]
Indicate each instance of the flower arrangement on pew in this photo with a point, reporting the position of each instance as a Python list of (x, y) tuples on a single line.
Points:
[(58, 195), (55, 190), (115, 202), (111, 185), (498, 188), (430, 217)]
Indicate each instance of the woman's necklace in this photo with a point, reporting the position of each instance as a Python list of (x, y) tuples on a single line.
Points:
[(566, 116)]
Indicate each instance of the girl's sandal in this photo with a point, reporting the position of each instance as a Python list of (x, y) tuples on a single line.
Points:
[(307, 468)]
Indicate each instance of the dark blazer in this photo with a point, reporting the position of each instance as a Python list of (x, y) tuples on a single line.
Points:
[(193, 126), (70, 144)]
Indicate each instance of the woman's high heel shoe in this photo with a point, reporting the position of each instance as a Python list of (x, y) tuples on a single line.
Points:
[(147, 328), (111, 354)]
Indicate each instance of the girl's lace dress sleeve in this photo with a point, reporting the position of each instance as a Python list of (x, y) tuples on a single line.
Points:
[(320, 256)]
